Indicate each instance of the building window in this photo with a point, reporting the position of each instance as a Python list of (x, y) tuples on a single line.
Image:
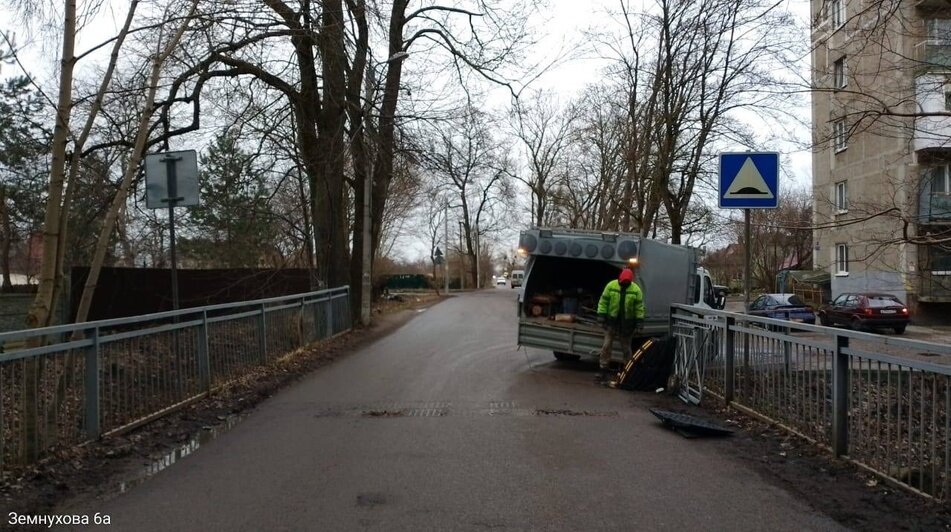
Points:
[(837, 13), (941, 180), (841, 198), (940, 260), (839, 74), (838, 133), (841, 259)]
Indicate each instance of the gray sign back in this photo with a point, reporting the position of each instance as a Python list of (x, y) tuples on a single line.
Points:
[(156, 179)]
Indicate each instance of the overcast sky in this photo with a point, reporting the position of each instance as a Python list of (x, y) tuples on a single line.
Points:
[(564, 27)]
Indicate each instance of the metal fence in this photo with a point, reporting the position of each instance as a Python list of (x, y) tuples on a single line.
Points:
[(878, 401), (64, 385)]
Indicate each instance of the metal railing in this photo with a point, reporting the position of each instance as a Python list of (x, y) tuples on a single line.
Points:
[(64, 385), (878, 401)]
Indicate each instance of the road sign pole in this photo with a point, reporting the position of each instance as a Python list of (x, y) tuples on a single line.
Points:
[(747, 284), (172, 200)]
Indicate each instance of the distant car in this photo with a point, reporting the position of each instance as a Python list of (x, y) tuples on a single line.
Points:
[(782, 307), (500, 281), (866, 310), (517, 277)]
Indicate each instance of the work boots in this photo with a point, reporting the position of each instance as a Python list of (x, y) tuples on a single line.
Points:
[(605, 376)]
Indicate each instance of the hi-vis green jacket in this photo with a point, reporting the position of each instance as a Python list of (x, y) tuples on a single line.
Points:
[(610, 305)]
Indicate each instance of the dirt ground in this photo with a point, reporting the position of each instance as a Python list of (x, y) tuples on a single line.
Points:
[(853, 497)]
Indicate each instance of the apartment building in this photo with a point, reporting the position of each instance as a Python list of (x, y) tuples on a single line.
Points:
[(881, 110)]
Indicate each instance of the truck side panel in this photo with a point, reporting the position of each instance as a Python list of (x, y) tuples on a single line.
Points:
[(565, 340), (666, 275)]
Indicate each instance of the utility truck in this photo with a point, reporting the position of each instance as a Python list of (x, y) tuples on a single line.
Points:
[(566, 271)]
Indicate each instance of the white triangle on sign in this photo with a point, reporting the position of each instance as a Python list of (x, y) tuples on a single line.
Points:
[(748, 183)]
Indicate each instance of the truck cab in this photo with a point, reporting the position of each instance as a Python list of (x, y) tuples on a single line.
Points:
[(566, 271)]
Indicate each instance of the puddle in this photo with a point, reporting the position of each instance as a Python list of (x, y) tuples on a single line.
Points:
[(178, 453)]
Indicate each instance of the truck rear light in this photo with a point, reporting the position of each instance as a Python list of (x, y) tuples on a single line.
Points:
[(632, 261)]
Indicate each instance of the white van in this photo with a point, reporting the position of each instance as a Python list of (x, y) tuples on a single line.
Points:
[(517, 277)]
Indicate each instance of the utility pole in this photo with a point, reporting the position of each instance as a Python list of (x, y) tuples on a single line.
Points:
[(367, 274), (478, 258), (462, 261), (446, 244)]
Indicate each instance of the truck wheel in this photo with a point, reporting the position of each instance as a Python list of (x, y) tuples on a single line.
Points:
[(566, 357), (900, 329), (824, 319), (855, 324)]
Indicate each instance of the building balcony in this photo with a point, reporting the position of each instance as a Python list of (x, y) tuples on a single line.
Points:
[(934, 276), (933, 53), (931, 5), (934, 288), (933, 132), (934, 208)]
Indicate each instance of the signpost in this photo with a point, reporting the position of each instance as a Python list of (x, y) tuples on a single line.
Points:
[(749, 180), (171, 180)]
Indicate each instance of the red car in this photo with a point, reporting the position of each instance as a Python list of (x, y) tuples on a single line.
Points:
[(866, 311)]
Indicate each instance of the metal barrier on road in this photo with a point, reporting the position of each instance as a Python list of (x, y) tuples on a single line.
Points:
[(64, 385), (866, 397)]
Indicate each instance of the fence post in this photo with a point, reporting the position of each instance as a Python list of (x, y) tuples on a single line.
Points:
[(330, 316), (670, 320), (303, 338), (204, 362), (787, 352), (699, 353), (91, 388), (840, 397), (262, 337), (730, 354)]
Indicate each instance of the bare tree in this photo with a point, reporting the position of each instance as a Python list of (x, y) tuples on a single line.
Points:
[(474, 169), (543, 129), (138, 151), (711, 59)]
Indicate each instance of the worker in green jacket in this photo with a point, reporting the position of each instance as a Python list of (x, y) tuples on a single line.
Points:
[(621, 311)]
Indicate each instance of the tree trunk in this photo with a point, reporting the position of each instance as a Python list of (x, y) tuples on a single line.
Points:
[(329, 201), (5, 240), (132, 165), (386, 146), (40, 311)]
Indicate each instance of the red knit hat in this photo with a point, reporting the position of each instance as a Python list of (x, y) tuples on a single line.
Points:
[(626, 277)]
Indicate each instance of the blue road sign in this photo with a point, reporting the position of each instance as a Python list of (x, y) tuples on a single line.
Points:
[(749, 180)]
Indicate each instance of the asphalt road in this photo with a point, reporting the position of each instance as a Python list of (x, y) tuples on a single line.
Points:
[(444, 425)]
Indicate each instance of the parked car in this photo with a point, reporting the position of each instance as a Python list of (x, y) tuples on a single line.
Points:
[(782, 307), (866, 311)]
